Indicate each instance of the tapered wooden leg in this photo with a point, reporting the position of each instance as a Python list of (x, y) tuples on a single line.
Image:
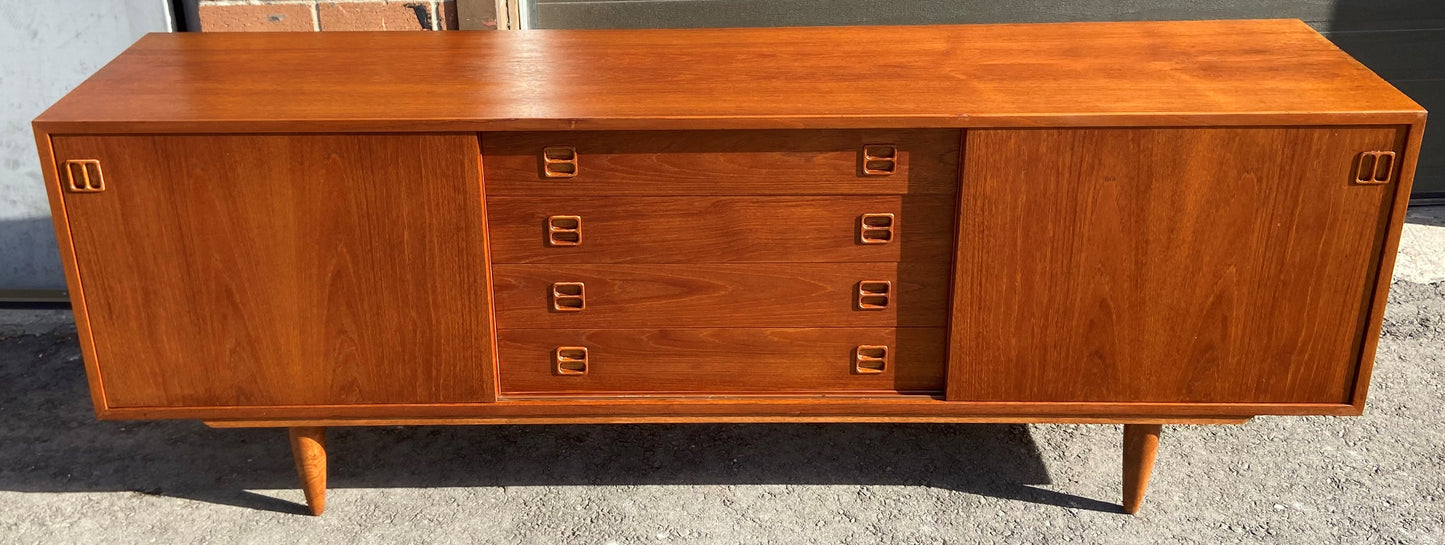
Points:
[(1141, 441), (308, 447)]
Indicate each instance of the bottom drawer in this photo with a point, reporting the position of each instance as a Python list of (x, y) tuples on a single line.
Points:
[(720, 361)]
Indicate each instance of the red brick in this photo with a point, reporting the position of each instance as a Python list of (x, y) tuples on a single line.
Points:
[(256, 18), (377, 15)]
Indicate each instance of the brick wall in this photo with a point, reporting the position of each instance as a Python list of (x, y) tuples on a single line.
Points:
[(312, 15)]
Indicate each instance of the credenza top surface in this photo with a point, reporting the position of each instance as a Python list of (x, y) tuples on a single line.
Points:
[(1244, 72)]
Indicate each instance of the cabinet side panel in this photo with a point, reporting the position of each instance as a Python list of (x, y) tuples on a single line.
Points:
[(1165, 265), (284, 270)]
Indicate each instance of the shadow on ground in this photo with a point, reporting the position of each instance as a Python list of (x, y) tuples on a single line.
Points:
[(51, 442), (1433, 215)]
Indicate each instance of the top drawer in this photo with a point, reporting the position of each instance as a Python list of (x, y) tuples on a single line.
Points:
[(785, 162)]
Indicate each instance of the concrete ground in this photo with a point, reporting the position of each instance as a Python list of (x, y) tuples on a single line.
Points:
[(1380, 478)]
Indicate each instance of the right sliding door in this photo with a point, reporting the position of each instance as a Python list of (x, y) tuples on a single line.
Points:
[(1167, 265)]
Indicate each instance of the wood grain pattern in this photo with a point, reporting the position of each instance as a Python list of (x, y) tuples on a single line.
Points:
[(308, 450), (59, 218), (721, 229), (783, 405), (1141, 444), (1202, 265), (1080, 74), (719, 361), (484, 421), (1172, 273), (721, 295), (1381, 289), (722, 163), (284, 270)]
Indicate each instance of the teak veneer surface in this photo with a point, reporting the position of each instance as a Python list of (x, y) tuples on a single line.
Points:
[(1141, 223), (283, 270), (770, 406), (483, 421), (1136, 73), (619, 163), (1171, 265), (722, 229), (722, 295), (702, 361)]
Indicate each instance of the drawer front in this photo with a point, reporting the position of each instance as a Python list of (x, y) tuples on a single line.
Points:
[(720, 162), (720, 295), (720, 229), (720, 361)]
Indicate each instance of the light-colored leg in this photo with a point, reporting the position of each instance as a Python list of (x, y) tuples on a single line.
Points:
[(1141, 442), (308, 447)]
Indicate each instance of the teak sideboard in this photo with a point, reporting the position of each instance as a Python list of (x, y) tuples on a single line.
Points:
[(1121, 223)]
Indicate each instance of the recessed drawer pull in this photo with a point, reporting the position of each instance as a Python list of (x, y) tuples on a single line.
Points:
[(570, 360), (569, 296), (875, 228), (564, 230), (559, 161), (874, 294), (879, 159), (1374, 167), (83, 176), (870, 359)]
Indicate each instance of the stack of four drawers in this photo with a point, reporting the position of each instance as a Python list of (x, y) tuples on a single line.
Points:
[(721, 262)]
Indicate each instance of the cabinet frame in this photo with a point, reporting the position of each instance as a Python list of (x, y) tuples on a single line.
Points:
[(900, 408)]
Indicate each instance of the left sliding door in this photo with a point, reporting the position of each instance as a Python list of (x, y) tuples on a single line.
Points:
[(280, 270)]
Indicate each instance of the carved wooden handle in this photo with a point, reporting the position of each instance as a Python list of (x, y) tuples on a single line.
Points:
[(880, 159), (570, 360), (875, 228), (569, 296), (870, 359), (559, 161), (1374, 167), (84, 176), (564, 230), (874, 294)]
